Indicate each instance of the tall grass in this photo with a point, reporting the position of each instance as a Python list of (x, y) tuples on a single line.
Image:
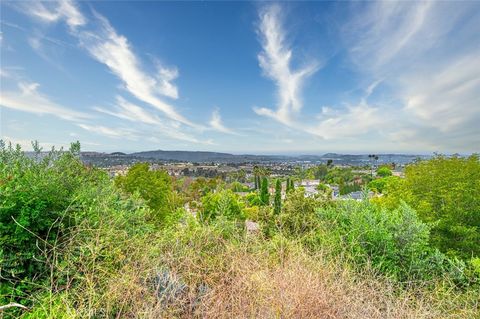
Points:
[(189, 270)]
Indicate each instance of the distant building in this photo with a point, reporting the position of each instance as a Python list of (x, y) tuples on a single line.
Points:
[(310, 186)]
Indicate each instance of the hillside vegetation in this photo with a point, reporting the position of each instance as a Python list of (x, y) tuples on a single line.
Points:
[(76, 244)]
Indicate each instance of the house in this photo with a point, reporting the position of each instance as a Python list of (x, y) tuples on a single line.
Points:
[(310, 186)]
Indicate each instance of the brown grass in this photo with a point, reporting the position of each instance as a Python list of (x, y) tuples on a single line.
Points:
[(253, 278)]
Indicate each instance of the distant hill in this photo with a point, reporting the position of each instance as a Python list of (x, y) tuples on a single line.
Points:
[(119, 158), (204, 157), (217, 157)]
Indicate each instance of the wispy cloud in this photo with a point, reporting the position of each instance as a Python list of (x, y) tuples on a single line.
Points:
[(55, 11), (28, 99), (275, 61), (114, 50), (131, 112), (353, 121), (406, 48), (105, 45), (448, 98), (427, 54), (111, 132), (217, 124)]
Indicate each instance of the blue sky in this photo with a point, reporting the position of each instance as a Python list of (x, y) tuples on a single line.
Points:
[(242, 77)]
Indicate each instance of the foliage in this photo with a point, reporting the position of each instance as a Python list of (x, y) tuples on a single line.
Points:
[(110, 256), (253, 199), (379, 184), (290, 185), (222, 203), (201, 186), (154, 186), (348, 188), (264, 194), (446, 194), (38, 205), (384, 171), (395, 242), (277, 208), (298, 214), (238, 187)]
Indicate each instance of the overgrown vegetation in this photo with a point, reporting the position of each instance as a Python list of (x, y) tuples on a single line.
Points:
[(445, 192), (75, 244)]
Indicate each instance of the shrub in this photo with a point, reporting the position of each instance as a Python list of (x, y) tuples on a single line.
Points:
[(38, 205), (154, 186), (222, 203), (446, 194), (298, 214), (384, 171), (395, 242)]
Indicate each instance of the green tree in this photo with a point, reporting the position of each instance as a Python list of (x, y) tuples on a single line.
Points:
[(384, 171), (154, 186), (320, 172), (277, 208), (264, 194), (292, 185), (223, 203), (298, 214), (445, 192), (379, 184)]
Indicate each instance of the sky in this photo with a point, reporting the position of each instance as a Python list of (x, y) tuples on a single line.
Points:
[(242, 77)]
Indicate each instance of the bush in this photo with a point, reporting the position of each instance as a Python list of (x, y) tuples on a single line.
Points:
[(379, 185), (154, 186), (384, 171), (298, 214), (446, 194), (38, 205), (222, 203), (396, 242)]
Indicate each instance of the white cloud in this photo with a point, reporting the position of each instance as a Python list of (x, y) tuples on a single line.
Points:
[(275, 61), (448, 98), (55, 11), (217, 124), (108, 47), (115, 51), (134, 113), (28, 99), (353, 121), (427, 54), (111, 132), (129, 111)]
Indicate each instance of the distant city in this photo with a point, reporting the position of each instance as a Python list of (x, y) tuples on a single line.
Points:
[(118, 158)]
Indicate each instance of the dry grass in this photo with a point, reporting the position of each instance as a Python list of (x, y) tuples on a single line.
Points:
[(247, 278)]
